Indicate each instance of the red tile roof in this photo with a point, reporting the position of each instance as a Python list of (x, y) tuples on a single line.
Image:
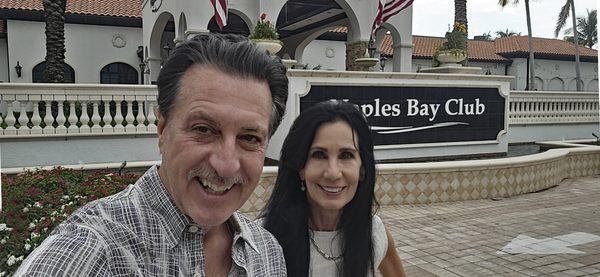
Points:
[(516, 44), (498, 50), (119, 8), (424, 47)]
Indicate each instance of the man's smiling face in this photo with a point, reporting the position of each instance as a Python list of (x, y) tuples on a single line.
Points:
[(213, 143)]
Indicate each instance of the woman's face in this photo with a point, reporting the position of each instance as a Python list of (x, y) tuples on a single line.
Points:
[(332, 168)]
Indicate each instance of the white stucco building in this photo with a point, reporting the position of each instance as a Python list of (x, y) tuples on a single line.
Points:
[(112, 43)]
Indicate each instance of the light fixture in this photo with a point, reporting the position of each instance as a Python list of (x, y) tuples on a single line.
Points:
[(167, 49), (382, 60), (18, 69), (371, 51)]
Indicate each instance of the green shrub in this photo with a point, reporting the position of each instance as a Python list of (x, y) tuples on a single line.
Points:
[(34, 202), (264, 29)]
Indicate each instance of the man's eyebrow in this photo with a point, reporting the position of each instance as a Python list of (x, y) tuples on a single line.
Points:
[(194, 115), (255, 129)]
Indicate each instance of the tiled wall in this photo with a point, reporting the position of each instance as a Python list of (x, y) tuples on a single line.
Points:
[(465, 180)]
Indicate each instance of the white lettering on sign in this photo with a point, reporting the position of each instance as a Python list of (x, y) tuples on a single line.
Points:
[(458, 107), (454, 106), (423, 109), (380, 110)]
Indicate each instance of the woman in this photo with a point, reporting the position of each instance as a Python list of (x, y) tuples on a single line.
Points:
[(321, 207)]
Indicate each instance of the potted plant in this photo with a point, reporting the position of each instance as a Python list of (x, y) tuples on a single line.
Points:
[(454, 50), (265, 36)]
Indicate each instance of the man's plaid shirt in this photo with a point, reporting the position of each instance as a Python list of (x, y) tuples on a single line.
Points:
[(140, 232)]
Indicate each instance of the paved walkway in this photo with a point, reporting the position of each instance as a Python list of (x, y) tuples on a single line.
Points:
[(555, 232)]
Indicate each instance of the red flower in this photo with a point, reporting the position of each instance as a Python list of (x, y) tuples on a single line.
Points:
[(263, 16)]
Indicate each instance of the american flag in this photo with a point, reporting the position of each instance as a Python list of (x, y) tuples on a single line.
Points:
[(220, 7), (387, 9)]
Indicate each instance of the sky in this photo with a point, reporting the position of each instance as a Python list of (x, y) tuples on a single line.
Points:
[(487, 16)]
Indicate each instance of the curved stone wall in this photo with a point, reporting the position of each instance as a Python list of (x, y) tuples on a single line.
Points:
[(423, 183)]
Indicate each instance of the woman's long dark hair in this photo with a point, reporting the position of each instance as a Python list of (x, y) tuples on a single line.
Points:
[(287, 212)]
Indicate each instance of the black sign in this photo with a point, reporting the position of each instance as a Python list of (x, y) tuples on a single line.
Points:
[(408, 115)]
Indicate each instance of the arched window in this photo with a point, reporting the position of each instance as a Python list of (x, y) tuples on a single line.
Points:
[(593, 85), (556, 84), (38, 73), (573, 85), (539, 83), (118, 73)]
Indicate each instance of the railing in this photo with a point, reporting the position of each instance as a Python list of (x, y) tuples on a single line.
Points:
[(41, 110), (544, 107), (32, 110)]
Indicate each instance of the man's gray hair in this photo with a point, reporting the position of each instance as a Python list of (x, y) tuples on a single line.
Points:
[(232, 54)]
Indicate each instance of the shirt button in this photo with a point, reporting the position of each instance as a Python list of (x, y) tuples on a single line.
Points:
[(193, 229)]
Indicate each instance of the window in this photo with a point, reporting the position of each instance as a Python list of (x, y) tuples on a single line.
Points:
[(118, 73), (38, 73)]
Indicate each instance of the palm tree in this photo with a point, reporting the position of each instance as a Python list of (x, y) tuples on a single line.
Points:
[(503, 3), (586, 30), (560, 23), (485, 36), (506, 33), (55, 40)]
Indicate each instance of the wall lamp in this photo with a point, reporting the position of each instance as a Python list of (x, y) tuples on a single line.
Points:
[(382, 60), (18, 69)]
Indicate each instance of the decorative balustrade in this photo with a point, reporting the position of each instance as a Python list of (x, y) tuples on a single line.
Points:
[(33, 110), (39, 110), (544, 107)]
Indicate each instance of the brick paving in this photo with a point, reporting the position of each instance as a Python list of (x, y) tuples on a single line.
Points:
[(464, 238)]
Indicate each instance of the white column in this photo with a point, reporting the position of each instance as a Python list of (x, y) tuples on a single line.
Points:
[(129, 128), (60, 118), (23, 120), (107, 118), (151, 116), (140, 117), (119, 128), (48, 118), (84, 118), (96, 128), (73, 118), (35, 118), (10, 119)]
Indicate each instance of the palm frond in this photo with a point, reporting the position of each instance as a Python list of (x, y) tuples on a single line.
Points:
[(503, 3), (562, 17)]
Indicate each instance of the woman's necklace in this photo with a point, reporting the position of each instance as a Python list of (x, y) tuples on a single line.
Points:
[(325, 255)]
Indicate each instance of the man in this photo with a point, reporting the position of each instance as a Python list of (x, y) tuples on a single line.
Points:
[(220, 99)]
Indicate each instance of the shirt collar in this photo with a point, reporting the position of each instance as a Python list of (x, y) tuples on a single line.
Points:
[(155, 192), (242, 230)]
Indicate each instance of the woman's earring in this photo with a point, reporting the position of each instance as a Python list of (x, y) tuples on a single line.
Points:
[(303, 186)]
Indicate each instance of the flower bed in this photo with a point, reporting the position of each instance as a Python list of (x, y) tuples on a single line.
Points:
[(34, 202)]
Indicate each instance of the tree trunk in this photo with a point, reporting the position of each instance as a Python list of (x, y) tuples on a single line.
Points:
[(576, 38), (460, 12), (55, 40), (531, 85)]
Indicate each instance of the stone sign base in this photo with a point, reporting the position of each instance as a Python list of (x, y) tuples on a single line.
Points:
[(452, 69)]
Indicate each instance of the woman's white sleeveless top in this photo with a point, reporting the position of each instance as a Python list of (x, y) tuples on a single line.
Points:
[(329, 242)]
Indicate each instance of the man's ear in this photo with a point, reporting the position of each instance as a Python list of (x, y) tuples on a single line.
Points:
[(160, 128)]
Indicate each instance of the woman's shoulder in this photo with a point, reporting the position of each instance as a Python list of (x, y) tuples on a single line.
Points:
[(380, 242), (378, 224)]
